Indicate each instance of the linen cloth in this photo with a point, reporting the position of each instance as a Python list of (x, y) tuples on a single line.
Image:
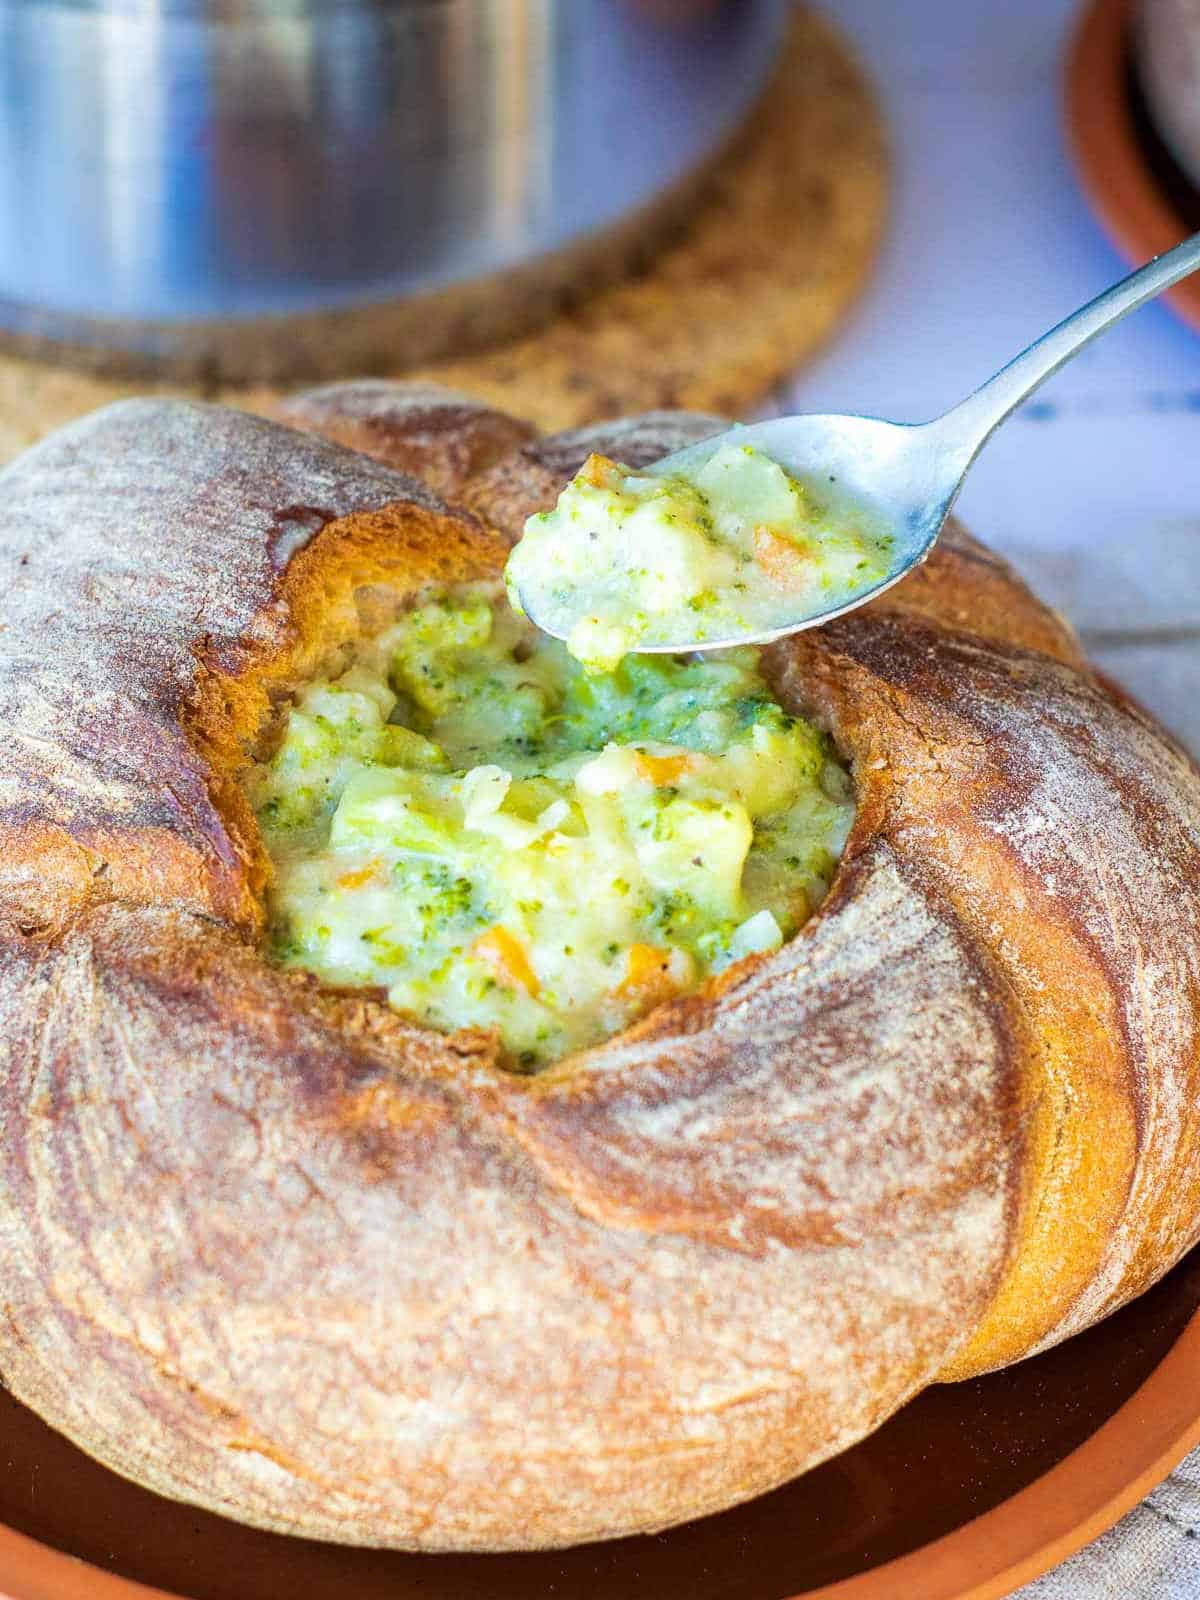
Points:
[(1152, 1554)]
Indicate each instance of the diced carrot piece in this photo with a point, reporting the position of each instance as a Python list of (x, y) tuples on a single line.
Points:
[(786, 563), (507, 959), (659, 770), (598, 471), (355, 880), (647, 979)]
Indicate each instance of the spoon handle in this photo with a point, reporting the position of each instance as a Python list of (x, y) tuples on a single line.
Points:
[(968, 426)]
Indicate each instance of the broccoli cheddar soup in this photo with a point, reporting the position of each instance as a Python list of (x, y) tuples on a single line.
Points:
[(738, 548), (503, 840)]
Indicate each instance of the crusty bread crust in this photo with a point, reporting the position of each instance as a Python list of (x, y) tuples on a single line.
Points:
[(274, 1250), (444, 438)]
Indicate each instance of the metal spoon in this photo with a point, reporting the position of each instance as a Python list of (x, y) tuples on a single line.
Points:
[(908, 475)]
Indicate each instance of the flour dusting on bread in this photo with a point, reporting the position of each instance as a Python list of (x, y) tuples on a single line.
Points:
[(273, 1249)]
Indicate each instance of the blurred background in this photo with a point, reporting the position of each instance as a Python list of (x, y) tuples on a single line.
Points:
[(581, 207), (991, 240), (1093, 488)]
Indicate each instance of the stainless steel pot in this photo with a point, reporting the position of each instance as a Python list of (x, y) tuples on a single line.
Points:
[(263, 187)]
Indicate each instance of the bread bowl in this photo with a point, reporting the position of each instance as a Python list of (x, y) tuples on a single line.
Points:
[(272, 1248)]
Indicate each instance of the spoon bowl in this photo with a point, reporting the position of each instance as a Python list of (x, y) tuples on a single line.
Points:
[(900, 476), (901, 479)]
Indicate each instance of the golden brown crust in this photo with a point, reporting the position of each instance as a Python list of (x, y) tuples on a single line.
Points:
[(344, 1281), (528, 479), (1061, 825), (439, 435), (148, 548), (274, 1250)]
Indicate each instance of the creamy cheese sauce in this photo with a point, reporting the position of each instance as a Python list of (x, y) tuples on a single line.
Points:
[(503, 840), (630, 559)]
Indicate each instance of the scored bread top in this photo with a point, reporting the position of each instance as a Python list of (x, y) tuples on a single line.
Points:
[(144, 543), (278, 1251), (444, 438)]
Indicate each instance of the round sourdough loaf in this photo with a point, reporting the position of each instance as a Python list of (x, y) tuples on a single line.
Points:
[(275, 1250)]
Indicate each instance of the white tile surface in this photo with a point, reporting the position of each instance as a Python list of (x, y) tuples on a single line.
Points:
[(1094, 486), (990, 243)]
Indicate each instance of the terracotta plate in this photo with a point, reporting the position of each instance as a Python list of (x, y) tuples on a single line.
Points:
[(1143, 200), (971, 1490)]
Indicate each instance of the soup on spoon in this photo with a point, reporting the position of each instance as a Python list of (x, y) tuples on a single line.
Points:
[(630, 560), (721, 544)]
